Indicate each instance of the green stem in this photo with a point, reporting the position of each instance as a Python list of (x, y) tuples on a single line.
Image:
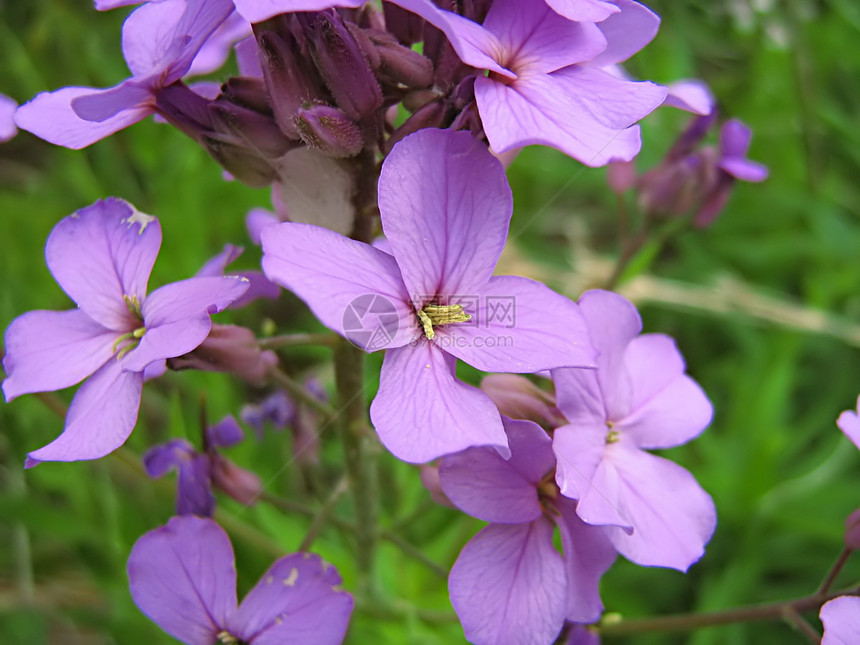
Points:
[(689, 622), (831, 576), (297, 340), (300, 392), (323, 515), (360, 463)]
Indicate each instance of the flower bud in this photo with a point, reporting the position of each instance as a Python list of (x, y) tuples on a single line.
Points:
[(431, 115), (430, 478), (852, 530), (243, 164), (232, 349), (240, 484), (519, 398), (399, 65), (329, 130), (621, 176), (256, 130), (290, 82), (248, 92), (342, 65), (406, 26)]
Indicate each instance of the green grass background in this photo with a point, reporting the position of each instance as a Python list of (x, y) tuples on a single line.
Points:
[(782, 476)]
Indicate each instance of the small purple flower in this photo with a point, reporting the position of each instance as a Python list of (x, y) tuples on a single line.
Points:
[(7, 118), (509, 584), (849, 423), (102, 256), (198, 472), (258, 285), (638, 399), (546, 84), (731, 165), (445, 207), (160, 41), (841, 619), (183, 577)]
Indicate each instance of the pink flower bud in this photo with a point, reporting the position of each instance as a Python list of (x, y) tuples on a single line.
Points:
[(852, 530), (329, 130), (519, 398)]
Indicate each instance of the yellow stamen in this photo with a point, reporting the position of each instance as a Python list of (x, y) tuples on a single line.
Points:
[(430, 315), (133, 304), (133, 336)]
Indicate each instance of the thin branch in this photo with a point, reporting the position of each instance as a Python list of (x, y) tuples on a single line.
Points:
[(300, 392), (326, 339)]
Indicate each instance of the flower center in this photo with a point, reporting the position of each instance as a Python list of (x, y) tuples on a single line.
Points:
[(132, 336), (226, 638), (133, 304), (431, 315), (613, 435)]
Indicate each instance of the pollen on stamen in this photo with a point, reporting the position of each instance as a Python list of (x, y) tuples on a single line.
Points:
[(431, 315)]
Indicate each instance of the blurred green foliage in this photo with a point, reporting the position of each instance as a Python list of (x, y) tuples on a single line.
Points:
[(782, 476)]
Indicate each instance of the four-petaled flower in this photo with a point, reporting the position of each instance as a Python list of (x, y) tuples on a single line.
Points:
[(638, 399), (509, 584), (102, 256), (445, 207), (546, 83), (183, 577), (160, 41)]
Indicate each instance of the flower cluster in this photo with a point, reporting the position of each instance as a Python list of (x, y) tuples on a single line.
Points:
[(351, 112)]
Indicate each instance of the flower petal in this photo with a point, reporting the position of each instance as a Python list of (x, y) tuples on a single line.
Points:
[(848, 422), (102, 254), (177, 317), (445, 206), (335, 276), (182, 576), (297, 601), (476, 46), (52, 350), (161, 39), (509, 585), (672, 517), (49, 115), (215, 51), (100, 418), (8, 106), (260, 10), (584, 112), (691, 95), (422, 411), (520, 326), (667, 408), (484, 485), (612, 323), (588, 554), (627, 32), (536, 39), (583, 10), (579, 451), (841, 619)]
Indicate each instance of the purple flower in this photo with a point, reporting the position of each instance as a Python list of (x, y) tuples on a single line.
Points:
[(159, 41), (7, 118), (258, 285), (731, 164), (198, 472), (545, 84), (102, 256), (638, 399), (509, 584), (849, 423), (445, 207), (183, 577), (841, 618)]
